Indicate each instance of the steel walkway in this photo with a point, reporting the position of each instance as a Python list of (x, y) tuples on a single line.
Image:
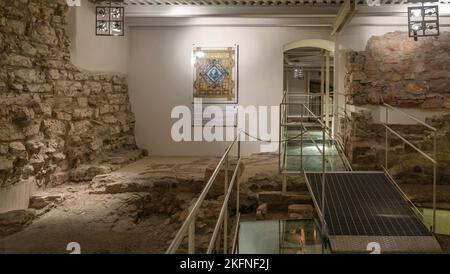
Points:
[(355, 208), (363, 207)]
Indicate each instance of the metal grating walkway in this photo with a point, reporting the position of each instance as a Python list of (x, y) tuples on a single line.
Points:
[(366, 205)]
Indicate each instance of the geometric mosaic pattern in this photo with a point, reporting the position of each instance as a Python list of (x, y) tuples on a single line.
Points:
[(215, 74)]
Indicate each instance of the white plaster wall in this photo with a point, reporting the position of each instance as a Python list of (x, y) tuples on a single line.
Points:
[(160, 77), (91, 52)]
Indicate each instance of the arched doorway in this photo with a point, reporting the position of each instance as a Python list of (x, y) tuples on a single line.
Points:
[(307, 112), (309, 76)]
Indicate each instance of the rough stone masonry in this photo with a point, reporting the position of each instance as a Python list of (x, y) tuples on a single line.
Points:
[(53, 116), (405, 74)]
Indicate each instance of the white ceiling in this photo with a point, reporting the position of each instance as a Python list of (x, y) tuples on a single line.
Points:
[(253, 2), (282, 13)]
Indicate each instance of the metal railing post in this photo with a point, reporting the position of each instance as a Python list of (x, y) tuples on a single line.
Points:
[(345, 122), (434, 179), (280, 142), (301, 139), (323, 176), (386, 141), (238, 190), (191, 245), (432, 159), (239, 146), (285, 131), (225, 222), (187, 228), (237, 182)]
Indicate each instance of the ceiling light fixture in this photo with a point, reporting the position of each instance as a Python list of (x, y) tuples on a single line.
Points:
[(110, 20), (423, 21), (299, 73)]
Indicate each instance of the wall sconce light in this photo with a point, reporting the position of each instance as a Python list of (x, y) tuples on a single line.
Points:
[(299, 73), (110, 20), (423, 21)]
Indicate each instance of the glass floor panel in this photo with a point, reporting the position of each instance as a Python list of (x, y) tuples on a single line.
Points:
[(280, 237), (312, 156), (442, 219), (314, 163)]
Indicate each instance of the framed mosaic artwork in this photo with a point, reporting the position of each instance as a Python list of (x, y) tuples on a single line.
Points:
[(215, 74)]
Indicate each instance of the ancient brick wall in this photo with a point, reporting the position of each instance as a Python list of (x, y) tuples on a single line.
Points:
[(53, 116), (403, 72)]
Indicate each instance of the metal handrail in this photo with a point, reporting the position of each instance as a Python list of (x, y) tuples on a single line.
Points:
[(316, 203), (236, 232), (189, 223), (433, 159), (410, 144), (317, 118), (223, 210), (283, 124), (410, 117), (306, 95), (314, 142), (340, 146), (403, 194)]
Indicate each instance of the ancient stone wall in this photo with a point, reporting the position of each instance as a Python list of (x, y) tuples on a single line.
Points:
[(365, 145), (403, 72), (53, 116)]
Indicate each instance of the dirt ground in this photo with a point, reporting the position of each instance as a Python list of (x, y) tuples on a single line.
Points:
[(116, 213), (99, 223), (115, 222)]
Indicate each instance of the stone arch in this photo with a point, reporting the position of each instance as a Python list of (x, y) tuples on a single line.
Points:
[(310, 43)]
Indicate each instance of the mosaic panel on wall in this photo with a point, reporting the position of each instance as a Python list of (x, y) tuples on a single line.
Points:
[(215, 74)]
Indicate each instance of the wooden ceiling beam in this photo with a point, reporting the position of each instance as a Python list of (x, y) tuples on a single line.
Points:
[(344, 16)]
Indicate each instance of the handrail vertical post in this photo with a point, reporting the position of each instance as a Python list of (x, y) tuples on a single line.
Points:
[(323, 176), (238, 190), (386, 140), (191, 237), (301, 139), (345, 122), (434, 179), (239, 146), (280, 152), (225, 221)]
